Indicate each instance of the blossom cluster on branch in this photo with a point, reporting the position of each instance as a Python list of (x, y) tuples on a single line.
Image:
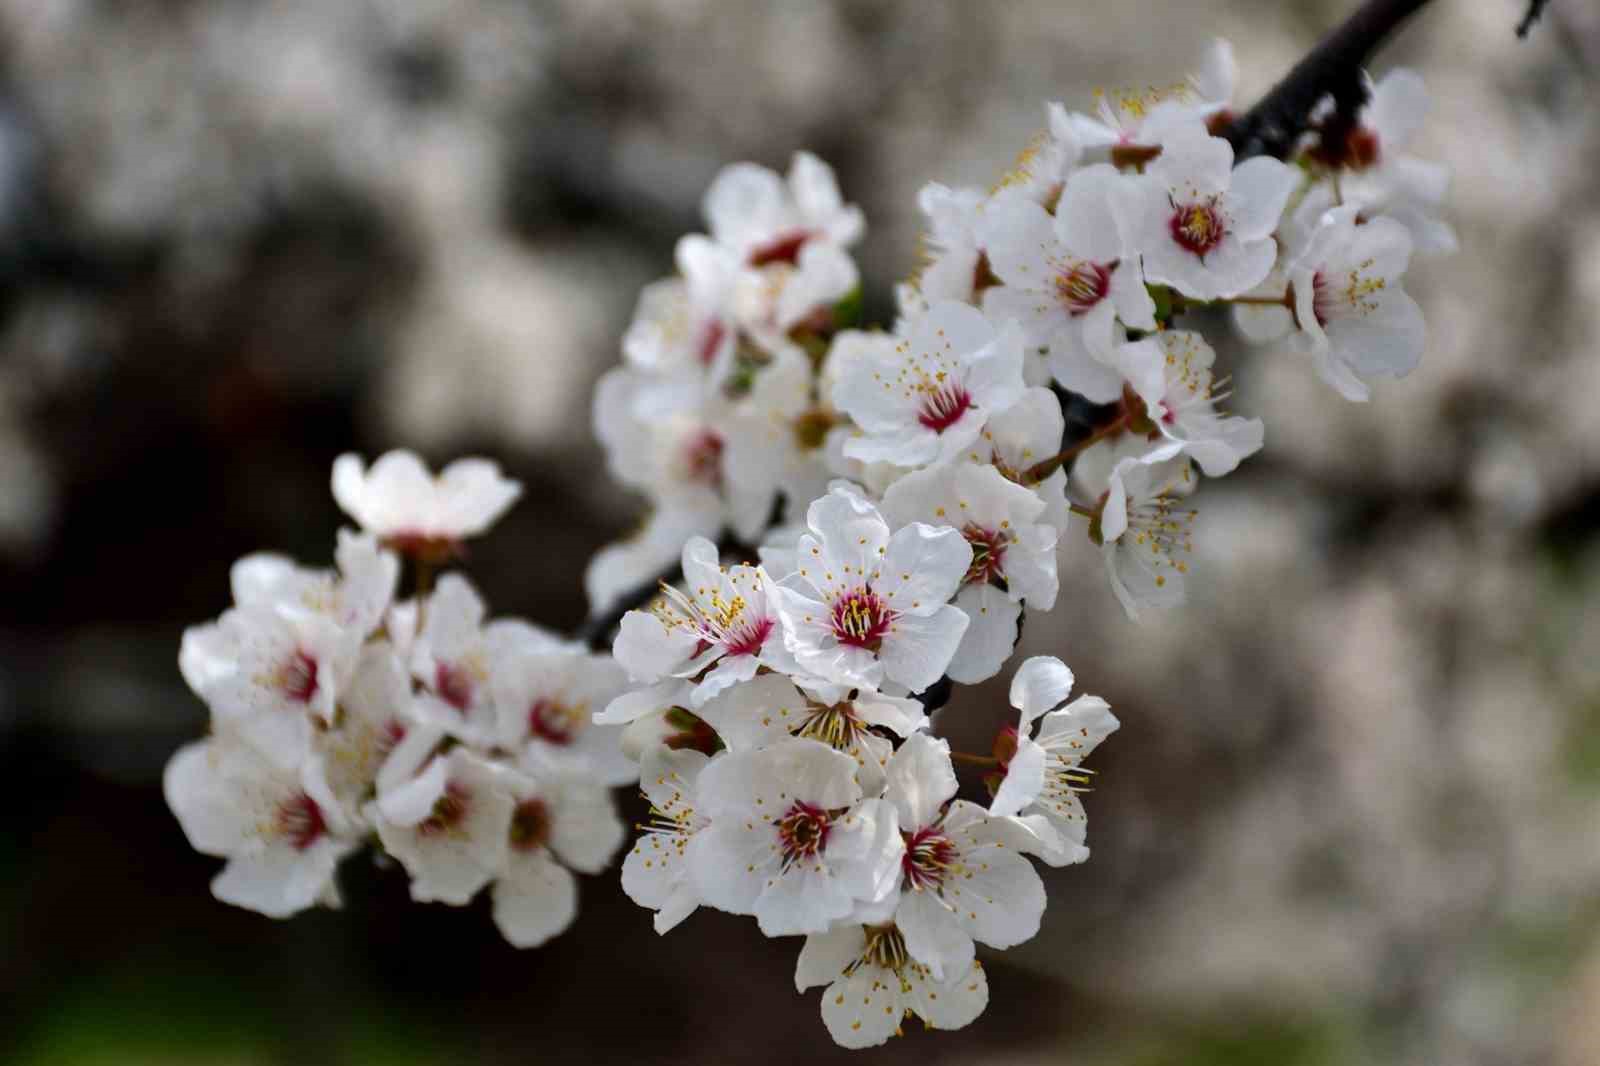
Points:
[(896, 500)]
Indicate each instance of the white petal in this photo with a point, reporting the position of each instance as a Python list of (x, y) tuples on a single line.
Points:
[(535, 899), (920, 780)]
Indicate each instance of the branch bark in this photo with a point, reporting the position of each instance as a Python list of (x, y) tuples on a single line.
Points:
[(1332, 68)]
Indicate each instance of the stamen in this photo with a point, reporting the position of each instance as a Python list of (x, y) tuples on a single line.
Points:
[(301, 820), (530, 825), (988, 553), (942, 407), (802, 832), (928, 858), (1083, 286), (298, 678), (1197, 227), (861, 619)]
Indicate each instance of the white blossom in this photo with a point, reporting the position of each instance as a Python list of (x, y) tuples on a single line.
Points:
[(355, 598), (1378, 177), (1355, 320), (949, 373), (412, 510), (544, 701), (1121, 114), (771, 708), (791, 841), (456, 655), (1181, 404), (1044, 776), (1067, 280), (563, 820), (449, 826), (952, 243), (268, 671), (683, 325), (963, 877), (1142, 523), (768, 219), (1201, 224), (1013, 554), (864, 607), (378, 739), (269, 812), (656, 871), (720, 629), (873, 983)]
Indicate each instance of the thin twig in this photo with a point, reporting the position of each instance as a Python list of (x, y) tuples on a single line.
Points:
[(1535, 9)]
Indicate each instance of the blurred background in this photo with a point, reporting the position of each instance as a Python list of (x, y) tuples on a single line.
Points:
[(1353, 814)]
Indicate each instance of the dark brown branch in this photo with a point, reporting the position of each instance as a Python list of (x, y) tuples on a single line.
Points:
[(1332, 68), (1535, 9)]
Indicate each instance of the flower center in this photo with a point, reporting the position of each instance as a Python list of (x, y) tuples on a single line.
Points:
[(943, 405), (988, 553), (836, 726), (299, 677), (802, 832), (1198, 227), (811, 428), (301, 820), (530, 825), (928, 858), (554, 722), (1084, 286), (861, 618), (784, 248), (449, 811), (711, 337), (747, 638), (454, 686), (1354, 295), (703, 458), (885, 948)]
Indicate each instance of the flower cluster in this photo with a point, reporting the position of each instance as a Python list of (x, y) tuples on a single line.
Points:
[(339, 712), (896, 501)]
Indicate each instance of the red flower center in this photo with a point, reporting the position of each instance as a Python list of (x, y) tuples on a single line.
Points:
[(300, 677), (449, 811), (703, 458), (1321, 298), (784, 248), (861, 618), (928, 858), (1084, 286), (943, 406), (553, 722), (988, 553), (711, 337), (454, 686), (1198, 227), (530, 825), (802, 832), (301, 820), (748, 638)]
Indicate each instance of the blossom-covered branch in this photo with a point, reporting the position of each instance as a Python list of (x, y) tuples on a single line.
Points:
[(892, 505)]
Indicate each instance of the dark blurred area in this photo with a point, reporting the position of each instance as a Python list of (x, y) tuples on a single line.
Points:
[(1353, 814)]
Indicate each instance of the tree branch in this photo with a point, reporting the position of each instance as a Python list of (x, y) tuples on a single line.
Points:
[(1332, 68), (1535, 9)]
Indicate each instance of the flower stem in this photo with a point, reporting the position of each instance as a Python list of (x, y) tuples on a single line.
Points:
[(426, 571), (1043, 469)]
